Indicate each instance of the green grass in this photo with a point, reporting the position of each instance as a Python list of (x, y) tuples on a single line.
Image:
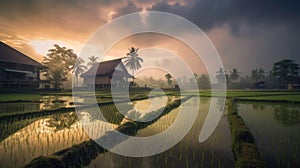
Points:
[(277, 98), (19, 97), (105, 96), (255, 95)]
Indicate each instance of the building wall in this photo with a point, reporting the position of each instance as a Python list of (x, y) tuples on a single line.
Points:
[(18, 80), (99, 81)]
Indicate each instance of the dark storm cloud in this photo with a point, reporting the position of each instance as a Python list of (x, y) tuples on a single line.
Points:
[(257, 29), (208, 14), (261, 32)]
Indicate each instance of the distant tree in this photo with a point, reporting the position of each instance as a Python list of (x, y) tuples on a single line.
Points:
[(272, 82), (60, 61), (234, 74), (79, 68), (93, 60), (286, 71), (204, 82), (257, 75), (133, 60), (244, 83), (169, 81), (221, 75)]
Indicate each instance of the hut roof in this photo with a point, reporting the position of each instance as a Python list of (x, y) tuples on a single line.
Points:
[(9, 54)]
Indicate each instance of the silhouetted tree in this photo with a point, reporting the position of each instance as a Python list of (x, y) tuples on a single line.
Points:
[(93, 61), (221, 76), (257, 75), (79, 68), (60, 61), (234, 74), (286, 71), (168, 77), (204, 82), (133, 60)]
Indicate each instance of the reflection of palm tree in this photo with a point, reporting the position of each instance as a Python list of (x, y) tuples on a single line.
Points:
[(93, 61), (133, 60), (62, 121), (133, 114), (258, 106), (287, 116)]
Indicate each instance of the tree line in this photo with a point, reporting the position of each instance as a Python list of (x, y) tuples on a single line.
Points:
[(61, 62), (283, 75)]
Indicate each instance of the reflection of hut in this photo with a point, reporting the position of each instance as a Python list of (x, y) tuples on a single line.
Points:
[(17, 70), (102, 74)]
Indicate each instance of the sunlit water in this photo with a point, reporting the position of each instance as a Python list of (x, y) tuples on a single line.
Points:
[(276, 130), (45, 103), (35, 140), (34, 137), (214, 152)]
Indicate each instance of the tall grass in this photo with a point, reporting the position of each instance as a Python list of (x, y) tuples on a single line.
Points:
[(243, 144)]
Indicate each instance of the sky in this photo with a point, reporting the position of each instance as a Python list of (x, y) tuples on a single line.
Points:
[(247, 34)]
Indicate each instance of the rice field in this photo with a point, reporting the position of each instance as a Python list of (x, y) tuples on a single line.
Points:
[(274, 126)]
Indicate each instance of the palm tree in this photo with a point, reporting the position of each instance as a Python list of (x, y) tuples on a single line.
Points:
[(221, 76), (79, 68), (234, 74), (168, 77), (257, 74), (93, 61), (133, 60)]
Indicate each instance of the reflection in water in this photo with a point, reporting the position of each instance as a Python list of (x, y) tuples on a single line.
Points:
[(44, 137), (37, 139), (62, 121), (27, 139), (46, 103), (258, 106), (143, 107), (288, 116), (276, 131), (54, 102), (215, 152)]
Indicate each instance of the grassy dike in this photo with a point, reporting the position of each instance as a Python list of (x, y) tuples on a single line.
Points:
[(82, 154), (243, 144)]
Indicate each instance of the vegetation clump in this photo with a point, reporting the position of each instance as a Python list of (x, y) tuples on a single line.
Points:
[(243, 144)]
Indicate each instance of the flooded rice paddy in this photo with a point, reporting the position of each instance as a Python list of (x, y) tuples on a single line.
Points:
[(274, 127)]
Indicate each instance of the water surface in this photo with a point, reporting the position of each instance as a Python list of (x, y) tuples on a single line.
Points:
[(275, 128)]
